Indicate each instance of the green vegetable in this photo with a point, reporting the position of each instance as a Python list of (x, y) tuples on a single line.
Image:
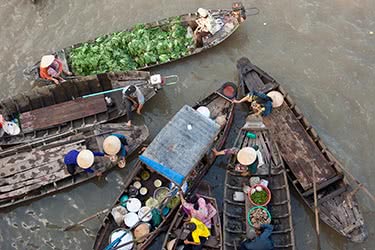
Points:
[(129, 50), (259, 197)]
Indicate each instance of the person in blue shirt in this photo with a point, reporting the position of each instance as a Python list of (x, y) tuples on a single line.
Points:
[(261, 104), (261, 240), (72, 160), (116, 145)]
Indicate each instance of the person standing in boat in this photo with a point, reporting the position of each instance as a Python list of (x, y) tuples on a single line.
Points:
[(249, 158), (260, 239), (116, 146), (83, 159), (198, 235), (132, 96), (51, 68)]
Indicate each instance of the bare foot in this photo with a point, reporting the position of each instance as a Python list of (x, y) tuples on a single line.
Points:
[(129, 123)]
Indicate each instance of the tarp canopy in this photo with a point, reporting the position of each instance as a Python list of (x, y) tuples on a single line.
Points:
[(181, 144)]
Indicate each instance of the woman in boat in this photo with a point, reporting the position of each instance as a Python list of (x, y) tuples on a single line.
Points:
[(200, 209), (260, 239), (261, 104), (249, 158), (116, 146), (83, 159), (51, 68), (132, 96), (198, 235)]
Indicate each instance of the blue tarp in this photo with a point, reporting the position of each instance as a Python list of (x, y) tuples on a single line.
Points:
[(181, 144)]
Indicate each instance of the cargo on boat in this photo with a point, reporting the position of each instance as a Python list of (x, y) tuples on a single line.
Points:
[(76, 104), (237, 205), (302, 151), (38, 169), (167, 163)]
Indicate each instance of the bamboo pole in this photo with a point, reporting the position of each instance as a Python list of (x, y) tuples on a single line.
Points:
[(317, 229), (86, 219)]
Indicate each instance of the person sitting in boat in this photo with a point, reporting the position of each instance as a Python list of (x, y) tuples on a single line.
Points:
[(260, 239), (204, 25), (249, 158), (238, 11), (116, 146), (132, 96), (198, 235), (198, 208), (261, 104), (83, 159), (51, 68)]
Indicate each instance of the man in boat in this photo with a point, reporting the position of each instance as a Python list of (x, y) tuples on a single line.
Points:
[(238, 12), (132, 96), (198, 235), (249, 158), (260, 239), (261, 104), (204, 25), (83, 159), (51, 68), (116, 146)]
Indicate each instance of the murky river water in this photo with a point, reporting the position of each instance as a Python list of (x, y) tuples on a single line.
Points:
[(322, 51)]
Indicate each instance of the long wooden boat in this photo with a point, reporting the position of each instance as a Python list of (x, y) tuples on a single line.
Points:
[(303, 151), (38, 170), (230, 25), (235, 215), (175, 230), (54, 110), (178, 150)]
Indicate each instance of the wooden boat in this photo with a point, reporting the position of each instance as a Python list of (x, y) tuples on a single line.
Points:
[(175, 230), (180, 147), (235, 215), (37, 170), (230, 25), (67, 110), (303, 151)]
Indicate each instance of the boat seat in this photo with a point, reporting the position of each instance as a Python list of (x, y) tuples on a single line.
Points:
[(62, 113), (323, 185)]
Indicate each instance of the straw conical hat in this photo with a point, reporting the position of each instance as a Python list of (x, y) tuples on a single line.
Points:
[(246, 156), (142, 230), (277, 98), (47, 61), (85, 159), (202, 12), (112, 145), (11, 128)]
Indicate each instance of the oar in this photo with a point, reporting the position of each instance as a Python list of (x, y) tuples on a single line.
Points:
[(316, 209), (86, 219)]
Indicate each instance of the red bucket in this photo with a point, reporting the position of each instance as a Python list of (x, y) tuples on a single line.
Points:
[(265, 189)]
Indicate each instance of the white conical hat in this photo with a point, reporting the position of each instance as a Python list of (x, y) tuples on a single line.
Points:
[(204, 111), (47, 61), (202, 12), (277, 98), (85, 159), (246, 156), (112, 145), (11, 128)]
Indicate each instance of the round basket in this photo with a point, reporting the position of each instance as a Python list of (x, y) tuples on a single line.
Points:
[(265, 189), (229, 90), (252, 209)]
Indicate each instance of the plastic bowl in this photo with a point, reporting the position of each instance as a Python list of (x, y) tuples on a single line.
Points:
[(252, 209), (265, 189)]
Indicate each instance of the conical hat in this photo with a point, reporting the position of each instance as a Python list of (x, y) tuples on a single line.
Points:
[(11, 128), (141, 230), (246, 156), (112, 145), (202, 12), (47, 61), (85, 159), (277, 98), (204, 111)]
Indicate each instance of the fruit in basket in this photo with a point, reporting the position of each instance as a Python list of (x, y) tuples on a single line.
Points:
[(259, 216)]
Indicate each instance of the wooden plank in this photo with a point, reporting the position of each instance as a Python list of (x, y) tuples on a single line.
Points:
[(62, 112), (323, 185), (297, 148)]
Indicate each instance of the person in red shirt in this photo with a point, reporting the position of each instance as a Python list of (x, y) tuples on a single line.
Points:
[(51, 69)]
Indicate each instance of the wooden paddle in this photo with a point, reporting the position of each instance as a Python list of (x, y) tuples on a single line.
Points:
[(96, 215), (317, 229)]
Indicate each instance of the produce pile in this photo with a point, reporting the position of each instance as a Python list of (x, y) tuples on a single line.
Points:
[(129, 50), (259, 217), (259, 197)]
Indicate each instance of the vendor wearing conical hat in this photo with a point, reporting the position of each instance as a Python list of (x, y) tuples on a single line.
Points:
[(83, 159), (116, 145), (51, 69), (262, 104)]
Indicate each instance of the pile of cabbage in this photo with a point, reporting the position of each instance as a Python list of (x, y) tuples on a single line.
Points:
[(130, 50)]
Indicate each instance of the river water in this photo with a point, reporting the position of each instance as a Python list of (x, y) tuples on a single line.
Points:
[(322, 52)]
